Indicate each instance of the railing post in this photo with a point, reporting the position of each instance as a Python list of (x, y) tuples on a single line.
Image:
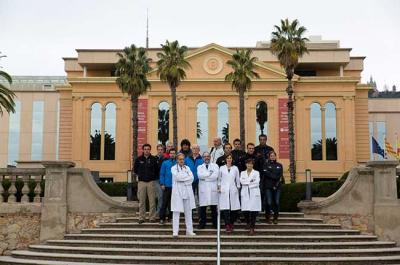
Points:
[(12, 191), (37, 189), (308, 185), (25, 189), (54, 207)]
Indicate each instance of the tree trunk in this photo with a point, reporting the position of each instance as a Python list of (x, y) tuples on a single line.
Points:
[(290, 106), (134, 106), (241, 115), (174, 117)]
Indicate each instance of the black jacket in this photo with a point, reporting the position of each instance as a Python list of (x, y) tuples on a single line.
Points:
[(160, 160), (272, 174), (237, 156), (146, 168), (263, 150), (257, 162)]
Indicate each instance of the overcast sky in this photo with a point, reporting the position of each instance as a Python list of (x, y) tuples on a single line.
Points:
[(35, 35)]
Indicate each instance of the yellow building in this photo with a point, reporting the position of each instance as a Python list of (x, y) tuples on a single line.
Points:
[(331, 108)]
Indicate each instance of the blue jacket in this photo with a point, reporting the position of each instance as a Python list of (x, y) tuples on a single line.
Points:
[(193, 164), (165, 172)]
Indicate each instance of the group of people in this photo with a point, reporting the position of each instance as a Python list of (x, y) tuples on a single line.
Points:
[(241, 183)]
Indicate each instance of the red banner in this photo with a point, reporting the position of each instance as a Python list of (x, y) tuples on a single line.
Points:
[(142, 124), (283, 129)]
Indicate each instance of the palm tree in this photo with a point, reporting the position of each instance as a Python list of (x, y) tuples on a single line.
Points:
[(132, 69), (6, 95), (241, 77), (288, 44), (171, 69)]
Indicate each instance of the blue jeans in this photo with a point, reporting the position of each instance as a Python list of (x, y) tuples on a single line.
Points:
[(272, 197), (159, 195)]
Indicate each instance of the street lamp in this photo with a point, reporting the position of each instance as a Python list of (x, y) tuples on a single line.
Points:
[(129, 194), (308, 185)]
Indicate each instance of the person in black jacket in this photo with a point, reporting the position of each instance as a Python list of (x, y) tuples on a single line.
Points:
[(263, 149), (237, 153), (221, 161), (273, 176), (146, 168)]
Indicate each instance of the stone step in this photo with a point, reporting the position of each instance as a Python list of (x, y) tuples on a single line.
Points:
[(259, 220), (270, 231), (260, 215), (224, 244), (241, 225), (110, 259), (212, 252), (228, 238)]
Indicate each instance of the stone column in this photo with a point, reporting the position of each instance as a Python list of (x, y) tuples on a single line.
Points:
[(386, 204), (54, 206)]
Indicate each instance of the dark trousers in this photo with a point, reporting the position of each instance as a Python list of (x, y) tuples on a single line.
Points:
[(203, 215), (273, 197), (229, 216), (250, 218), (166, 204)]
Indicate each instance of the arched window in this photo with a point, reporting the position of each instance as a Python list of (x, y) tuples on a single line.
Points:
[(95, 131), (330, 131), (316, 131), (163, 123), (261, 119), (109, 131), (223, 121), (202, 126)]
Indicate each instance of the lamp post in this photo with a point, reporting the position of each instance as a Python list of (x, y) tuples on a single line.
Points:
[(308, 185), (129, 194)]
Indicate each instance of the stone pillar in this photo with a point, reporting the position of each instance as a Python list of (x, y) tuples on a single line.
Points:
[(386, 204), (54, 206)]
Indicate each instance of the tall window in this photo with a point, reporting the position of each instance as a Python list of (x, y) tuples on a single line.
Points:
[(13, 134), (316, 131), (37, 130), (223, 121), (261, 119), (109, 131), (330, 131), (202, 125), (323, 138), (163, 123), (95, 131)]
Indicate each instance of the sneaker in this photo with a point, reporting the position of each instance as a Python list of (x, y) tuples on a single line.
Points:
[(268, 219), (175, 235), (275, 221), (161, 222), (190, 233), (227, 228), (141, 221), (231, 228), (251, 232)]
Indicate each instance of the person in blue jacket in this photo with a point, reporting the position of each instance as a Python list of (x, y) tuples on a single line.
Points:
[(166, 185), (193, 161)]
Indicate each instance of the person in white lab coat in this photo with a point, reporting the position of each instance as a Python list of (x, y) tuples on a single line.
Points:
[(228, 186), (250, 194), (182, 197), (208, 194), (217, 150)]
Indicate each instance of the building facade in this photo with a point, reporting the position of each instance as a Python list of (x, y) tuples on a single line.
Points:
[(31, 133), (331, 109)]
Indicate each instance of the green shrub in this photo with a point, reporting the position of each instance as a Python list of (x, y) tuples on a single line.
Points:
[(118, 189), (296, 192)]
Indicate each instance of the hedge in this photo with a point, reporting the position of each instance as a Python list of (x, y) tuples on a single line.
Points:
[(118, 189)]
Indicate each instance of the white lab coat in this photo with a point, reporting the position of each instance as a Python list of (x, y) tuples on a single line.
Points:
[(208, 186), (229, 183), (215, 153), (250, 193), (182, 179)]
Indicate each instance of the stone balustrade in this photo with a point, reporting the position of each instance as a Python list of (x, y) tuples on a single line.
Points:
[(28, 179)]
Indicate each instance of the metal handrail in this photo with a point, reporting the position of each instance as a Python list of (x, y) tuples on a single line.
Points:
[(218, 235)]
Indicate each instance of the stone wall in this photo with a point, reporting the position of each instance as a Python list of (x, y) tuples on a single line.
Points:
[(19, 226), (78, 221), (367, 201)]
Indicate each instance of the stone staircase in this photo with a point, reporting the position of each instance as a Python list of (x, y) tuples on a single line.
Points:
[(295, 240)]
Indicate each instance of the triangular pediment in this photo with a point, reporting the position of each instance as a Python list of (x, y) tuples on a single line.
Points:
[(209, 62)]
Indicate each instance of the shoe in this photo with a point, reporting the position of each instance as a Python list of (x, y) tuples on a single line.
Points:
[(190, 233), (275, 221), (141, 221), (227, 228), (153, 221), (161, 222), (175, 235), (251, 232), (268, 219), (231, 226), (247, 226)]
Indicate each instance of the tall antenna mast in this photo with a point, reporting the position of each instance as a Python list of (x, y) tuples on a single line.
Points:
[(147, 29)]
